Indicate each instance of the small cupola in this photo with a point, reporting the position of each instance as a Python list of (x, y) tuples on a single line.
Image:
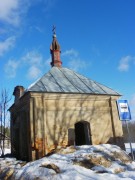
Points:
[(55, 51)]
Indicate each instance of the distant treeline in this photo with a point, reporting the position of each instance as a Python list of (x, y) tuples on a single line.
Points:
[(7, 130), (131, 126)]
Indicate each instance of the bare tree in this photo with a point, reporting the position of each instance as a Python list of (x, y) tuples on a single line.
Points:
[(131, 126), (4, 102)]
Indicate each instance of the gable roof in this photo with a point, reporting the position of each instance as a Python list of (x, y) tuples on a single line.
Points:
[(65, 80)]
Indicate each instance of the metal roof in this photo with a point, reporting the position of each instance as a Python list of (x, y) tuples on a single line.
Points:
[(65, 80)]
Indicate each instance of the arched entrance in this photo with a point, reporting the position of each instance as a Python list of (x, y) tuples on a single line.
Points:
[(82, 133)]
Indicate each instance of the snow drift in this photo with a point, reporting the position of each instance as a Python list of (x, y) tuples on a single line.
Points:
[(75, 163)]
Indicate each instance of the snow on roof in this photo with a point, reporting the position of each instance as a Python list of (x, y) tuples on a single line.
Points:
[(67, 81)]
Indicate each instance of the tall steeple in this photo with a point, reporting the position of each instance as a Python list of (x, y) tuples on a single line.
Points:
[(55, 50)]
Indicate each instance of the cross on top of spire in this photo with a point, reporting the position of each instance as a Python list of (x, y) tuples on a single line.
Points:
[(55, 50), (54, 30)]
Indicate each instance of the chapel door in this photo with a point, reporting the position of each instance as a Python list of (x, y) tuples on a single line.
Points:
[(82, 133)]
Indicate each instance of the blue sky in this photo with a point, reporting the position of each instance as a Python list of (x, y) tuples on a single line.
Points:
[(97, 39)]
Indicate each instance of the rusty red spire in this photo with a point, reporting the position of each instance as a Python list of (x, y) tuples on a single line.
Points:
[(55, 50)]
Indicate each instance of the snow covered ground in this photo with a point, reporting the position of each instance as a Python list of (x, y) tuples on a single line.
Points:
[(98, 162), (127, 146)]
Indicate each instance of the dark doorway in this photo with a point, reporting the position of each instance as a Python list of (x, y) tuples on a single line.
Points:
[(82, 133)]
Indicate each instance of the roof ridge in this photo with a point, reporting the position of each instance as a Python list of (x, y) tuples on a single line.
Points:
[(65, 80)]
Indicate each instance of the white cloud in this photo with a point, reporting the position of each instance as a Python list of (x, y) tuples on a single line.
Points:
[(32, 61), (32, 58), (33, 72), (71, 53), (3, 31), (6, 45), (124, 63), (9, 11), (48, 61), (77, 64), (74, 61), (12, 14), (39, 29), (11, 67), (13, 11)]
